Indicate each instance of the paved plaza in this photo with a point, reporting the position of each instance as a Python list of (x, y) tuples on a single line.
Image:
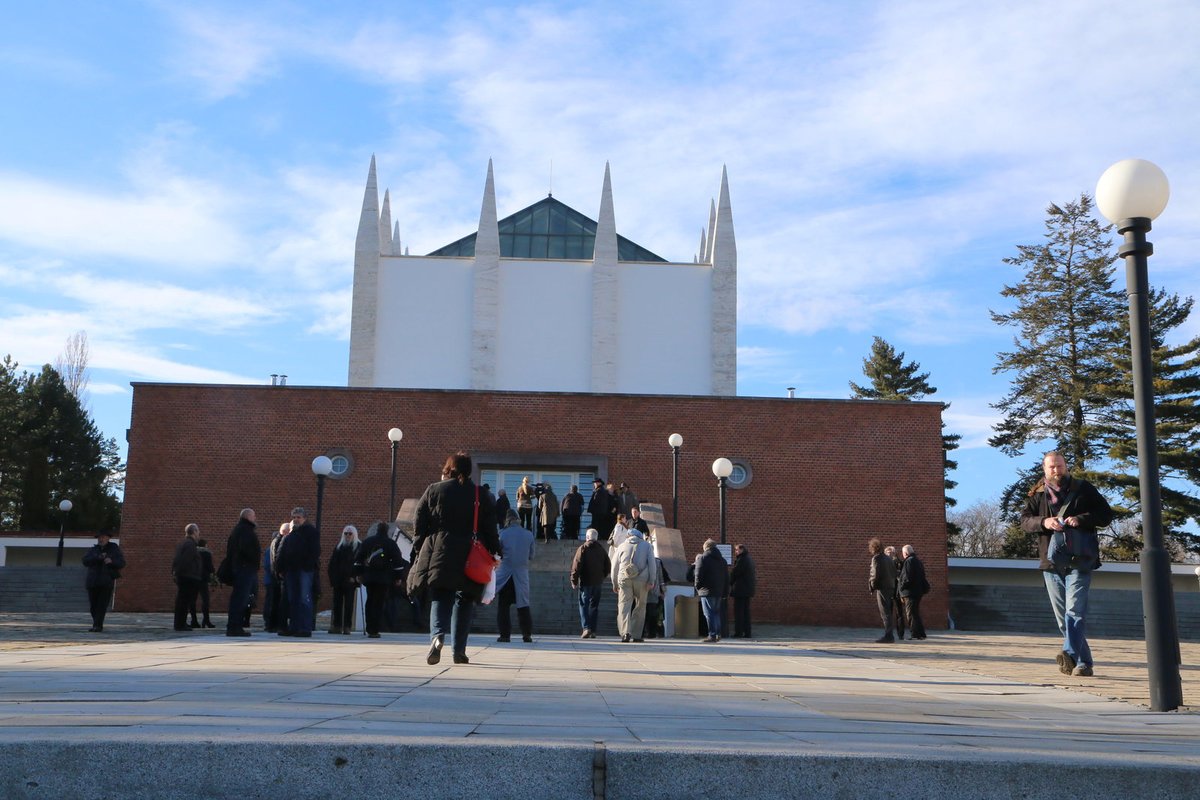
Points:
[(799, 712)]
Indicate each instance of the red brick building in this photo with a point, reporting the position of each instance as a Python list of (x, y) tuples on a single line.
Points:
[(824, 475)]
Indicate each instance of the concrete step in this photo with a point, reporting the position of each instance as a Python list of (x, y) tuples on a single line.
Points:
[(43, 589)]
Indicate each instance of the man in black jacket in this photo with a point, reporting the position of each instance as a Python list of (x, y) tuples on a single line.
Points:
[(712, 584), (187, 569), (603, 508), (243, 552), (912, 586), (1071, 506), (882, 582), (571, 509), (298, 556)]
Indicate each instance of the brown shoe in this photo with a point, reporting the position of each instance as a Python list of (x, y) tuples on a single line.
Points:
[(586, 634)]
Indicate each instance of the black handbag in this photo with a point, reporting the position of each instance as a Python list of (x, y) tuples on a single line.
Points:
[(225, 571)]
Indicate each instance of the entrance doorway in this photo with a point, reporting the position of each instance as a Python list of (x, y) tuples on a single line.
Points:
[(559, 480)]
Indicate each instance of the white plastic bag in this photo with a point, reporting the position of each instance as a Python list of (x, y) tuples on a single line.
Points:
[(489, 591)]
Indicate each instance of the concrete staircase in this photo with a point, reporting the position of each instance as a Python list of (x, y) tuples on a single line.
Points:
[(553, 603), (43, 589)]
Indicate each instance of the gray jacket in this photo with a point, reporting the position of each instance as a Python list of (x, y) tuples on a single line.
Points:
[(634, 551)]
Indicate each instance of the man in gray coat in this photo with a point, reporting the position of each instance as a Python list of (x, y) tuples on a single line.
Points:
[(632, 579), (512, 578)]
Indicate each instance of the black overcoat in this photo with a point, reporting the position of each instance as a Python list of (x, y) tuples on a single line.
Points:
[(445, 520)]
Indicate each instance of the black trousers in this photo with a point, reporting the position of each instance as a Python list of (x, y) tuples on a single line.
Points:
[(505, 600), (650, 626), (741, 617), (377, 595), (901, 612), (185, 599), (526, 515), (885, 602), (99, 599), (912, 614), (205, 602), (342, 615), (570, 527)]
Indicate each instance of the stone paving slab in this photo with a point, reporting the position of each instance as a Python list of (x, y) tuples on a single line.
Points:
[(799, 694)]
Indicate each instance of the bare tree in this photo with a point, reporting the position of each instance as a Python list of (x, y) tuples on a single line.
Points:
[(72, 365), (981, 530)]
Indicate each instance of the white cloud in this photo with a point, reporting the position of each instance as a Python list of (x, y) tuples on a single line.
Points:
[(972, 418), (224, 52), (107, 388), (175, 222)]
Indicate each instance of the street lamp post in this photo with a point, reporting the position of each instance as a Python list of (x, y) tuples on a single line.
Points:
[(321, 467), (676, 441), (64, 508), (394, 436), (722, 468), (1130, 194)]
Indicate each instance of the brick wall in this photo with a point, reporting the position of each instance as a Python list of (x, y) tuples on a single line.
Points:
[(827, 474)]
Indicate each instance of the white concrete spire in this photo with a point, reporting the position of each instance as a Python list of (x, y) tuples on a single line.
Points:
[(485, 302), (706, 257), (396, 239), (385, 224), (723, 257), (366, 287), (700, 253), (605, 307)]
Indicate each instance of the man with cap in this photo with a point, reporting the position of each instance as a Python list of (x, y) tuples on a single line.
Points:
[(632, 579), (603, 508), (104, 562)]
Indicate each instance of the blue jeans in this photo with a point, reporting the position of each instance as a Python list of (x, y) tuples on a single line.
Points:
[(244, 579), (589, 606), (450, 612), (1069, 600), (712, 614), (300, 601)]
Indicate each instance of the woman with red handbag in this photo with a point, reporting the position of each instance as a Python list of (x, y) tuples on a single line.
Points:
[(452, 516)]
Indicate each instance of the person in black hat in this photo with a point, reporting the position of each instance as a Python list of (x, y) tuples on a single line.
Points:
[(104, 563), (603, 508)]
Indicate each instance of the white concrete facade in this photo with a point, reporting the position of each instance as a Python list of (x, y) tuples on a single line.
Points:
[(490, 322)]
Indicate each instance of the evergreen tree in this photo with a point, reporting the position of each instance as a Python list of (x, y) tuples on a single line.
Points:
[(52, 450), (892, 379), (1068, 318), (1177, 426), (11, 424)]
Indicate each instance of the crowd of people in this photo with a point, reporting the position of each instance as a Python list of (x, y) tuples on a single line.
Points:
[(453, 516)]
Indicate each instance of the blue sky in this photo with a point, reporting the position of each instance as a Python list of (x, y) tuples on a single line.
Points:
[(183, 181)]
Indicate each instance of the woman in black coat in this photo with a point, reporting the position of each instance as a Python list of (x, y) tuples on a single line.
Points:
[(341, 580), (104, 563), (446, 519)]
